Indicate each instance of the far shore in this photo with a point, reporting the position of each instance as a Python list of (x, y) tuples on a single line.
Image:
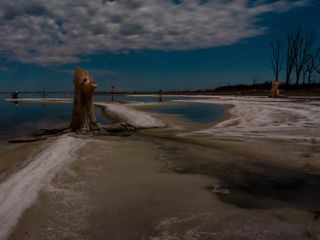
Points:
[(294, 93)]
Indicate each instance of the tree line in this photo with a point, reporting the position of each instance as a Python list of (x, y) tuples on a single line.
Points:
[(298, 56)]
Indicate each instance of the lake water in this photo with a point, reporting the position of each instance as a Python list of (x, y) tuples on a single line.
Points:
[(28, 118), (101, 98), (195, 112)]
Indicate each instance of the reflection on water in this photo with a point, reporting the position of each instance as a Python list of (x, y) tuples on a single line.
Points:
[(27, 118), (196, 112)]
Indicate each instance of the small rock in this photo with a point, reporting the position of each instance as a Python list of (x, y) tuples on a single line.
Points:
[(218, 189)]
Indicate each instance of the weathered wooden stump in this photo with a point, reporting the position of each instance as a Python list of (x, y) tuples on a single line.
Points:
[(83, 116)]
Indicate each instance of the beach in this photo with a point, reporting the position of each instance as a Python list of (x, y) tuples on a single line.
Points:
[(176, 180)]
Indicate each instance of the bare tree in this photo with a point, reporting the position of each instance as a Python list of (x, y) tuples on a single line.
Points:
[(290, 57), (276, 58), (302, 48), (317, 68), (312, 63)]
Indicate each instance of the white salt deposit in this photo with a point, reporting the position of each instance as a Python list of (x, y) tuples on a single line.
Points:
[(136, 118), (21, 189), (263, 117)]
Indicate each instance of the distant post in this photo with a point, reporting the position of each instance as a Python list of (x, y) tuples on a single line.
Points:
[(160, 95), (112, 93), (14, 94), (43, 91)]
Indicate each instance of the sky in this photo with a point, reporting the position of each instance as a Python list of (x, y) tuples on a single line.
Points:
[(144, 44)]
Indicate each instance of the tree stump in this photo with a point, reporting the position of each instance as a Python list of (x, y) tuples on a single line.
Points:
[(83, 116)]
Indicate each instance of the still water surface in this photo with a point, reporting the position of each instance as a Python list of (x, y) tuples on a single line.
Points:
[(26, 118), (195, 112)]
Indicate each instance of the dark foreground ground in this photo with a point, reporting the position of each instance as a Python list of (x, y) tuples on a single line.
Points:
[(142, 187)]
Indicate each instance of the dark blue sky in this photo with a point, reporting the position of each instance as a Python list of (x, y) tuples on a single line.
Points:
[(141, 58)]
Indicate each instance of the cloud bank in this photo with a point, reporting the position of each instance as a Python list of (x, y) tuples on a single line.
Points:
[(57, 32)]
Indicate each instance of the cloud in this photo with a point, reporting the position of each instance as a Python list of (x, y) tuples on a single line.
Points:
[(49, 32)]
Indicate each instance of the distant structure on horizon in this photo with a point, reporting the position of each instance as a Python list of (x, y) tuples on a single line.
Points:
[(112, 93), (160, 95), (15, 94)]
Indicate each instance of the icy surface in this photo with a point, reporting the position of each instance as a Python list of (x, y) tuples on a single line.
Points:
[(263, 117), (21, 189), (136, 118)]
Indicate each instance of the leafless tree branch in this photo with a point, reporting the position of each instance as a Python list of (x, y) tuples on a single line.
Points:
[(276, 58)]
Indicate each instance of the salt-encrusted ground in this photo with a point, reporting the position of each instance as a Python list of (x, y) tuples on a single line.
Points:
[(145, 187), (262, 117)]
